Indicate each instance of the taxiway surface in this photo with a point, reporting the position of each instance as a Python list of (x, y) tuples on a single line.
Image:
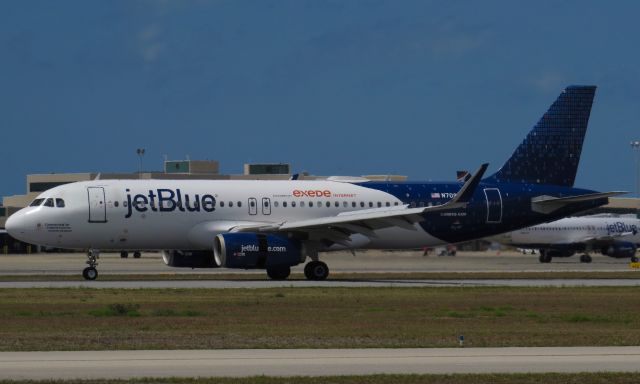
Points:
[(314, 362)]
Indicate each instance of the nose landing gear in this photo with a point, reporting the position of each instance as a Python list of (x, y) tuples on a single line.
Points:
[(90, 272)]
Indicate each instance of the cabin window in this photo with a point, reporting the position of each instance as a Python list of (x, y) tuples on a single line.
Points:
[(239, 204), (231, 204), (276, 204), (116, 204), (284, 204)]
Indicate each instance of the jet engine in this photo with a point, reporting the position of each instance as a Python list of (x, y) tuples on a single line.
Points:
[(620, 249), (189, 259), (256, 251)]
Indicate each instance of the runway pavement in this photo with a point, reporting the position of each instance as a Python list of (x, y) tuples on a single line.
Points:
[(363, 261), (339, 262), (314, 362)]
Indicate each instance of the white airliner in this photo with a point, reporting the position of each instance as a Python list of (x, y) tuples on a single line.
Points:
[(611, 236), (275, 225)]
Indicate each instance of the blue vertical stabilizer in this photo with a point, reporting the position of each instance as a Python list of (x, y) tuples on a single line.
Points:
[(551, 151)]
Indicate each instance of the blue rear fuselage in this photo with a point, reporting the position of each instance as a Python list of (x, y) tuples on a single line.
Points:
[(494, 207)]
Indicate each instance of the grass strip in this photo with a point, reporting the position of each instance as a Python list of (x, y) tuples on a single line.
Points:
[(106, 319), (529, 378), (634, 274)]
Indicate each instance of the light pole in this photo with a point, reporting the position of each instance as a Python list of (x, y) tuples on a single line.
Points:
[(635, 146), (140, 152)]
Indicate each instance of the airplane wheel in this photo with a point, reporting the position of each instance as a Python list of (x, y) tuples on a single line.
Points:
[(634, 259), (136, 255), (316, 270), (124, 254), (544, 258), (90, 273), (279, 273), (585, 259)]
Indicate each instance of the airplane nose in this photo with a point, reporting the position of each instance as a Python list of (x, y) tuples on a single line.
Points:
[(16, 226)]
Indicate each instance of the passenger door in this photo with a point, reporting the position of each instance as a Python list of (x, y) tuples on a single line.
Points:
[(494, 205), (97, 205)]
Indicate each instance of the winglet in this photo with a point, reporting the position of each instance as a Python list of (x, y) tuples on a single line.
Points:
[(465, 193), (469, 187)]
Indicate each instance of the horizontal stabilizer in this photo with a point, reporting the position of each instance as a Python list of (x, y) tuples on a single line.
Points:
[(547, 204)]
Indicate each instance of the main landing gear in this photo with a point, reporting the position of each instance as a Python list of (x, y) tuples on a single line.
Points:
[(90, 272), (279, 273), (544, 257), (316, 270), (585, 258)]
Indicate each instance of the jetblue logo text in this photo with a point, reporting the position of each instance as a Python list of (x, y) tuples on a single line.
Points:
[(255, 248), (620, 227), (169, 200)]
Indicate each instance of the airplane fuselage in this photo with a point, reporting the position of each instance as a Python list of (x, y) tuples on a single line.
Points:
[(188, 214)]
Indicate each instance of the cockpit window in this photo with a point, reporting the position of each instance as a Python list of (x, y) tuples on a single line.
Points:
[(59, 203), (48, 202), (36, 202)]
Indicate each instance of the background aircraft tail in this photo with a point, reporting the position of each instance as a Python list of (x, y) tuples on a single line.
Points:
[(551, 151)]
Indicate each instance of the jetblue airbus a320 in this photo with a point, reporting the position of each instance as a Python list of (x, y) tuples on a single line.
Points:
[(275, 225)]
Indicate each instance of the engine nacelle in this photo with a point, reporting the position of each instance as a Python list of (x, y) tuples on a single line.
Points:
[(620, 249), (189, 259), (256, 251)]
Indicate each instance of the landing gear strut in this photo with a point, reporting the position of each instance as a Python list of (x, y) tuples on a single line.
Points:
[(316, 270), (90, 272)]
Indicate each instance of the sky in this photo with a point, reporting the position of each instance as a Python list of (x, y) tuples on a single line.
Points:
[(417, 88)]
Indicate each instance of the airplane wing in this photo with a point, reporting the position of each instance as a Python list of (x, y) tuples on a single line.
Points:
[(338, 228)]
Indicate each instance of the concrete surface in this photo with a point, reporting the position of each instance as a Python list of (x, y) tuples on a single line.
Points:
[(314, 362)]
